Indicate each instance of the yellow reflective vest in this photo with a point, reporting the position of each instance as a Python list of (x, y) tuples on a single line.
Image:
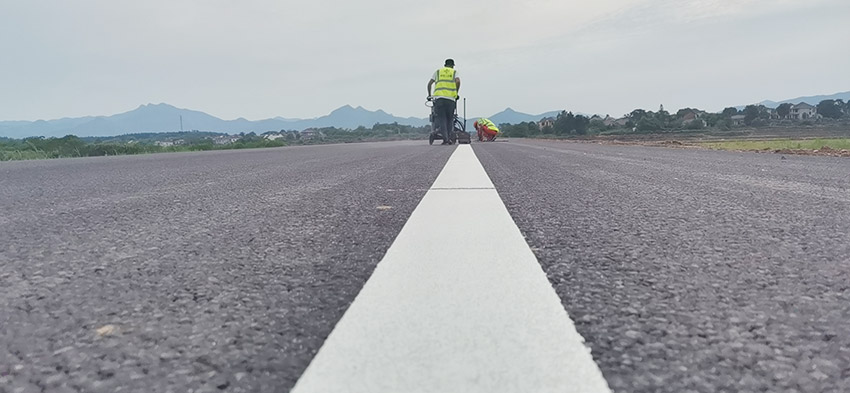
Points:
[(487, 123), (446, 86)]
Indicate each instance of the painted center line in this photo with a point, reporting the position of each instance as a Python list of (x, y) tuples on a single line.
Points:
[(458, 304)]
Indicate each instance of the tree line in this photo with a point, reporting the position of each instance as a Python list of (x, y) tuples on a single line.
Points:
[(565, 123), (685, 119), (73, 146)]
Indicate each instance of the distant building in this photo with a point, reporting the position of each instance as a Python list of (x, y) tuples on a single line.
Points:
[(225, 139), (690, 116), (737, 120), (310, 134), (803, 111), (272, 137), (546, 122), (621, 122), (164, 143)]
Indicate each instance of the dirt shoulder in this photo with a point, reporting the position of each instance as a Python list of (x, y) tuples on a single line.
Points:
[(729, 140)]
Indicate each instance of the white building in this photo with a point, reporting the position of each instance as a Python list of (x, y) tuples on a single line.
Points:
[(310, 133), (803, 111), (225, 140)]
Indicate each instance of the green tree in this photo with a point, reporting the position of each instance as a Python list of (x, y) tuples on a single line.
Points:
[(724, 124), (711, 119), (568, 123), (830, 109), (250, 137), (518, 130), (564, 123), (582, 124), (730, 111), (783, 110), (532, 128), (649, 123), (636, 115), (755, 112), (597, 125), (663, 117), (67, 146), (697, 124)]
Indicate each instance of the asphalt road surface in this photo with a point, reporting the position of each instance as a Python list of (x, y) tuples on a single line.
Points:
[(225, 271), (192, 272), (691, 270)]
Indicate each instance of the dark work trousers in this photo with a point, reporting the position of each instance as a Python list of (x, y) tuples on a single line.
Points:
[(445, 111)]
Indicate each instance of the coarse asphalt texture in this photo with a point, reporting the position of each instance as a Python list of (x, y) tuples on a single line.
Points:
[(691, 270), (685, 270), (192, 272)]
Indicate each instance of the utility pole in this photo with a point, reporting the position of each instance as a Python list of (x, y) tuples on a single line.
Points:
[(181, 123)]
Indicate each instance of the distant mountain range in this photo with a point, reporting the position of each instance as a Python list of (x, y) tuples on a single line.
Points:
[(511, 116), (154, 118), (811, 100), (166, 118)]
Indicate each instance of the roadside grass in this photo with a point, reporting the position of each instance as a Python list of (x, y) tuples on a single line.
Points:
[(780, 144), (9, 155), (30, 152)]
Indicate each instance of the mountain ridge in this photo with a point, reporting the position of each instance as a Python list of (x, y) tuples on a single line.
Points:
[(811, 100), (162, 117)]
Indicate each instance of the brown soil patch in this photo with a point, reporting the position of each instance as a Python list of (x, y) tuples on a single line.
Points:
[(825, 151)]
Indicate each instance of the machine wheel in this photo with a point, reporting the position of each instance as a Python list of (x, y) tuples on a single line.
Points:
[(431, 138)]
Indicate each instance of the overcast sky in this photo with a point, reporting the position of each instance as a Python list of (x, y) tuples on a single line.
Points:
[(300, 59)]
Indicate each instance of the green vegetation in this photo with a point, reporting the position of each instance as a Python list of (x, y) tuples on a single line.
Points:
[(833, 109), (686, 121), (565, 124), (782, 144), (378, 132), (639, 123), (151, 138), (72, 146)]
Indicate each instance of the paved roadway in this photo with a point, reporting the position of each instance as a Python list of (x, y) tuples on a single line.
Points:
[(691, 270), (456, 316), (217, 270), (225, 271)]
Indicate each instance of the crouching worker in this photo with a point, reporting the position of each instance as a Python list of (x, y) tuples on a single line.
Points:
[(487, 131)]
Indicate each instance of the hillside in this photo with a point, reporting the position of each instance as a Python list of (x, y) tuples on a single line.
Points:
[(811, 100), (158, 118), (153, 118)]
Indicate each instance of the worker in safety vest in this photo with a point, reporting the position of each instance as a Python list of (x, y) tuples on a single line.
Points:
[(487, 130), (445, 98)]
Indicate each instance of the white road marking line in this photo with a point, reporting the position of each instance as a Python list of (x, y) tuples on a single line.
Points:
[(446, 312)]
